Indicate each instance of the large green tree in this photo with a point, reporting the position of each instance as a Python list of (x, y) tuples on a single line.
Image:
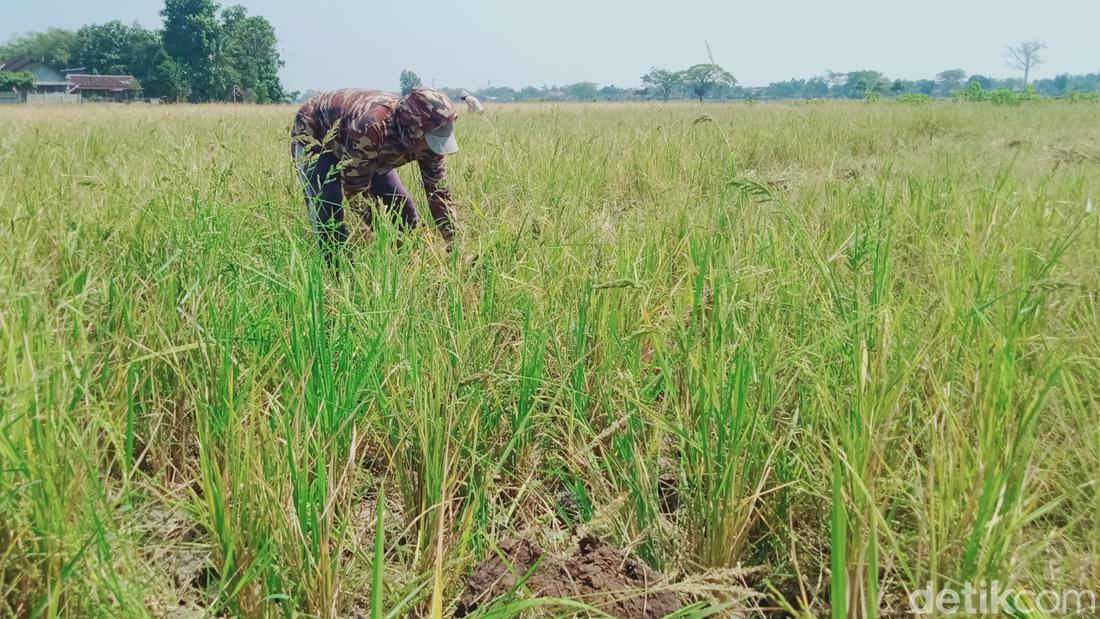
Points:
[(166, 79), (663, 81), (111, 48), (582, 91), (249, 47), (52, 47), (409, 80), (612, 92), (816, 88), (859, 83), (191, 33), (145, 48), (701, 79), (950, 80)]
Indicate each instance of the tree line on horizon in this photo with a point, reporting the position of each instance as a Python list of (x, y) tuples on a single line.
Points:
[(201, 53), (711, 81), (847, 85), (844, 85)]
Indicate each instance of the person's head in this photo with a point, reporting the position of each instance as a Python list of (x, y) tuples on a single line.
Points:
[(426, 118)]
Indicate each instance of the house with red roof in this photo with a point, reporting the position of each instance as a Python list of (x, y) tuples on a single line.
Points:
[(73, 85), (106, 87)]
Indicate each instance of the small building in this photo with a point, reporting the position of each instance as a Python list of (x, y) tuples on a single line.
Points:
[(72, 85), (47, 80), (106, 87)]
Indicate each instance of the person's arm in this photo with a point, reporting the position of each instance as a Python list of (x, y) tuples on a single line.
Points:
[(433, 169)]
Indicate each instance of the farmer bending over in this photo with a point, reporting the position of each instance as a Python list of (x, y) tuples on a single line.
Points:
[(350, 142)]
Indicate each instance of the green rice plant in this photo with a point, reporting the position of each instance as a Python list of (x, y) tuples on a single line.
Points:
[(724, 428)]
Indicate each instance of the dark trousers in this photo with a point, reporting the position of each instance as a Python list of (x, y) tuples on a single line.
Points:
[(325, 200)]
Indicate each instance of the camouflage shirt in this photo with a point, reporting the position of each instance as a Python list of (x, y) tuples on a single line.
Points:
[(372, 132)]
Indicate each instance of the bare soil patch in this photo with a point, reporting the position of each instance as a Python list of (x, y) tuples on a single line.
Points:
[(596, 573)]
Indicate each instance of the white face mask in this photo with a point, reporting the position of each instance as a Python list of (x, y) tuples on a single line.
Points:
[(442, 139)]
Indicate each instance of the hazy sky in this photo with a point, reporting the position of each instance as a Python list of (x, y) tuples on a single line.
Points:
[(331, 43)]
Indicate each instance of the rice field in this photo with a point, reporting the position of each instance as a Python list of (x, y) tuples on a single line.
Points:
[(798, 359)]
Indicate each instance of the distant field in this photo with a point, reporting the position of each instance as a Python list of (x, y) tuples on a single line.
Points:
[(799, 356)]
